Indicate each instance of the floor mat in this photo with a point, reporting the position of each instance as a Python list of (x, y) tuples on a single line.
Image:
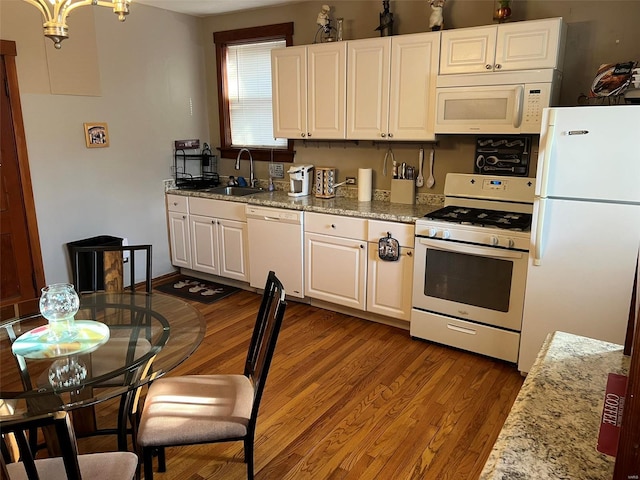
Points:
[(196, 289)]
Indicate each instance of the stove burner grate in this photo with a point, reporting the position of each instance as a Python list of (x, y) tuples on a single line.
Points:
[(483, 217)]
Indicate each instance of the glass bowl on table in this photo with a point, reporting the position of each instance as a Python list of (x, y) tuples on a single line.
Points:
[(59, 304)]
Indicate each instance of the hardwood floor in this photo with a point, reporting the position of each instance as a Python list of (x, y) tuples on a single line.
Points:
[(346, 399)]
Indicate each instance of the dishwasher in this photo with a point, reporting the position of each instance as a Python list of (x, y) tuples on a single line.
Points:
[(276, 239)]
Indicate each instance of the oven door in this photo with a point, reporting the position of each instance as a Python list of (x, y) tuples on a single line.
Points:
[(470, 282)]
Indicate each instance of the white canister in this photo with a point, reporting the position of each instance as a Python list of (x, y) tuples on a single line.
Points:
[(365, 176)]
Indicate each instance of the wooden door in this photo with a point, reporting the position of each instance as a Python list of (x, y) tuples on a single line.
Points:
[(20, 256)]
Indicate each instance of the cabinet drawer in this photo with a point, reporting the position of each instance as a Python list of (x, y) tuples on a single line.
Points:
[(336, 225), (473, 337), (177, 203), (217, 208), (403, 232)]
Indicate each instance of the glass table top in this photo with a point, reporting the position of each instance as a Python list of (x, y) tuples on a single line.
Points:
[(125, 340)]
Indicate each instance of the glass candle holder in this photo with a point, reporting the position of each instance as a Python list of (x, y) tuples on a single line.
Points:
[(58, 304), (67, 373)]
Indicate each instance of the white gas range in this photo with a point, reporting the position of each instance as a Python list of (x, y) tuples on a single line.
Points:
[(471, 265)]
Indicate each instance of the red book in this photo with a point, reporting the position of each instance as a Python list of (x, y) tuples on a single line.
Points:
[(612, 414)]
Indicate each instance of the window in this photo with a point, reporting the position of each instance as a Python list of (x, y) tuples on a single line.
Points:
[(244, 91)]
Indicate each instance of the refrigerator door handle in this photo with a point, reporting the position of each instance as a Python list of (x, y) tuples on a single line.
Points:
[(517, 111), (539, 233), (545, 159)]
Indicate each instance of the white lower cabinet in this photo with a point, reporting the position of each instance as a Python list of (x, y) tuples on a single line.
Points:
[(336, 259), (208, 236), (179, 239), (389, 283)]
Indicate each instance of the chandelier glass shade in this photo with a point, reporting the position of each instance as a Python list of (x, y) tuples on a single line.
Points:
[(55, 14)]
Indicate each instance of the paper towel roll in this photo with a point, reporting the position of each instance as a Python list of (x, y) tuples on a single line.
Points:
[(364, 184)]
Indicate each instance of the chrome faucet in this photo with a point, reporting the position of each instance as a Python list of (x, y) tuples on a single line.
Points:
[(252, 180)]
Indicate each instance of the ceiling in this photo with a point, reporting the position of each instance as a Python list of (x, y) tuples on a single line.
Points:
[(202, 8)]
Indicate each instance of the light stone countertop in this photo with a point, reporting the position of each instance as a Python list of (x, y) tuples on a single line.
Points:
[(552, 429), (379, 209)]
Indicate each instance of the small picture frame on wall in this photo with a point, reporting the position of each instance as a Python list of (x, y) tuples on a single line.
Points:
[(96, 135)]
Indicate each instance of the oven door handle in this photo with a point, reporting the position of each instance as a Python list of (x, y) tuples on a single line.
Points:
[(471, 249)]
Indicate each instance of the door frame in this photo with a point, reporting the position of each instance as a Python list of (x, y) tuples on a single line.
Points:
[(8, 51)]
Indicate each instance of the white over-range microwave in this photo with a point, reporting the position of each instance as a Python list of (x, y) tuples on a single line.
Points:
[(496, 102)]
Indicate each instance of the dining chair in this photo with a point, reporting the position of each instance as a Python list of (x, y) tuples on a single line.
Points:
[(196, 409), (102, 268), (71, 466)]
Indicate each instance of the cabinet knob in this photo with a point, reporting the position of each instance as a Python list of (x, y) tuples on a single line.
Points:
[(184, 216), (383, 135), (488, 67), (303, 135), (213, 222), (333, 225), (361, 246), (409, 253), (390, 135), (175, 204), (498, 66), (308, 134)]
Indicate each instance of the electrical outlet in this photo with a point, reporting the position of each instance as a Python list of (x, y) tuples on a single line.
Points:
[(351, 180), (276, 170)]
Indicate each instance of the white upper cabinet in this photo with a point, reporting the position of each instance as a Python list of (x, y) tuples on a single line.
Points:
[(414, 68), (368, 88), (309, 86), (289, 92), (326, 90), (391, 87), (528, 45)]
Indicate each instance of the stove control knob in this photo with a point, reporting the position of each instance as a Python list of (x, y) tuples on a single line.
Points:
[(446, 235), (494, 241), (511, 242), (433, 232)]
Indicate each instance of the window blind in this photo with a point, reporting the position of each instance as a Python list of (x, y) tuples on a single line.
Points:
[(249, 91)]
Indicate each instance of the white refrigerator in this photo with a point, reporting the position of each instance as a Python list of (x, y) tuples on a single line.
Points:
[(585, 233)]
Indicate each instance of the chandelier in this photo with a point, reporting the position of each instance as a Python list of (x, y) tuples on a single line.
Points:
[(55, 14)]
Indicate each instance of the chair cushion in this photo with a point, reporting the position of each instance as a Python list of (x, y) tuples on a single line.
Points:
[(93, 466), (195, 409)]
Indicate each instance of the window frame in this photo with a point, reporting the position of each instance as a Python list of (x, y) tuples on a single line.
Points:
[(221, 40)]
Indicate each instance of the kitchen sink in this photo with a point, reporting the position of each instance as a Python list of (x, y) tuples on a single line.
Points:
[(234, 191)]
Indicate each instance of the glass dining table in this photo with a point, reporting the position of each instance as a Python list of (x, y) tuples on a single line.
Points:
[(121, 341)]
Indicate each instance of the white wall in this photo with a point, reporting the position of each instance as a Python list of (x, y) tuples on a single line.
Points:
[(152, 86)]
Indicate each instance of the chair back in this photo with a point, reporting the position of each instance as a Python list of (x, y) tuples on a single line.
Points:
[(264, 338), (57, 422), (106, 267)]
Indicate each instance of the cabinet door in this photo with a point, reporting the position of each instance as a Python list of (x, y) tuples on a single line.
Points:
[(179, 239), (335, 269), (414, 67), (204, 244), (232, 242), (468, 50), (326, 90), (529, 45), (289, 92), (368, 88), (389, 284)]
